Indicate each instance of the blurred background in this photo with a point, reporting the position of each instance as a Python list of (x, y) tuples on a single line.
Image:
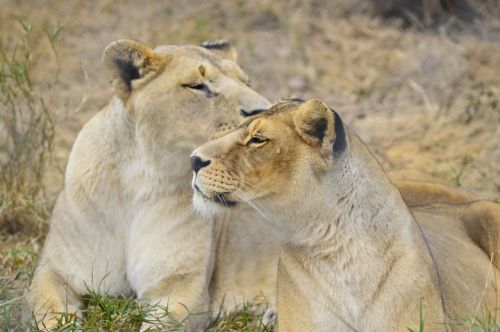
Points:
[(419, 80)]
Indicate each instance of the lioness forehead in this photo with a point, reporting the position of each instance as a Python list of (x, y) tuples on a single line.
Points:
[(281, 107), (193, 52)]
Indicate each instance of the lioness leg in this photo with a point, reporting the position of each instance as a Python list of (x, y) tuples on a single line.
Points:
[(180, 301), (50, 297), (482, 223), (170, 261)]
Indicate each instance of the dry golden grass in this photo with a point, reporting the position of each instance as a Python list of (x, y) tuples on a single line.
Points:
[(422, 99)]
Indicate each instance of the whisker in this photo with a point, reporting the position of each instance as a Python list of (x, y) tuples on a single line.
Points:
[(247, 196), (188, 200), (246, 188), (222, 200), (252, 185), (253, 204)]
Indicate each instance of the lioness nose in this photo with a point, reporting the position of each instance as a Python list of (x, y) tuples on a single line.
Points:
[(197, 163)]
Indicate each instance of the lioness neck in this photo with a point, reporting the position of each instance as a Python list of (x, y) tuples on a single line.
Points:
[(165, 170), (353, 199), (359, 252)]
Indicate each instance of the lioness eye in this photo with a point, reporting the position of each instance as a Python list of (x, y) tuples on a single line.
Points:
[(256, 140), (200, 87)]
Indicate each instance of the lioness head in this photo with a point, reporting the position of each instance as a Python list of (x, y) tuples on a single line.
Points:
[(176, 96), (272, 160)]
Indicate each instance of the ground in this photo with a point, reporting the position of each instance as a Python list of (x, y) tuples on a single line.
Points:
[(423, 99)]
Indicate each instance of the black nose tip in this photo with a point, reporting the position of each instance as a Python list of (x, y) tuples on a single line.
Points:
[(246, 113), (197, 163)]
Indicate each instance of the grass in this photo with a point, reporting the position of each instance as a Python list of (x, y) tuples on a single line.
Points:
[(106, 313), (487, 322), (421, 320), (27, 132), (101, 312), (18, 269), (246, 320), (27, 129), (480, 99), (457, 175)]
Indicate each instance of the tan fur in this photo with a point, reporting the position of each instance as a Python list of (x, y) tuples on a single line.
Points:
[(418, 188), (353, 253), (123, 223), (417, 193)]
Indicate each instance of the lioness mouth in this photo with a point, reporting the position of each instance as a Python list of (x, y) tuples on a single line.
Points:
[(219, 198)]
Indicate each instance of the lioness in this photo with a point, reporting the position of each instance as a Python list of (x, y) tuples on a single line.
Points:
[(123, 223), (354, 255)]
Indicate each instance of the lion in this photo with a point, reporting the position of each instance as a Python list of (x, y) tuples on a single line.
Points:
[(123, 223), (353, 255)]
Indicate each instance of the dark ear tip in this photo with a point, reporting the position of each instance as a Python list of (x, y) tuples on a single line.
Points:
[(340, 137), (296, 99), (220, 44)]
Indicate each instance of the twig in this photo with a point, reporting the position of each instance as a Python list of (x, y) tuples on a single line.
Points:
[(12, 300), (483, 294)]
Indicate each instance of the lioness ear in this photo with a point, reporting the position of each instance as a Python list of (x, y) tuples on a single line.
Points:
[(126, 61), (317, 125), (222, 48)]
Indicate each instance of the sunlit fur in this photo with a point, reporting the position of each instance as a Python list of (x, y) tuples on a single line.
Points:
[(353, 253), (123, 223)]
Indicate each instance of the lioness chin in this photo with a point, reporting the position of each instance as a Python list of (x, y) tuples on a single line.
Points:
[(123, 223), (353, 255)]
